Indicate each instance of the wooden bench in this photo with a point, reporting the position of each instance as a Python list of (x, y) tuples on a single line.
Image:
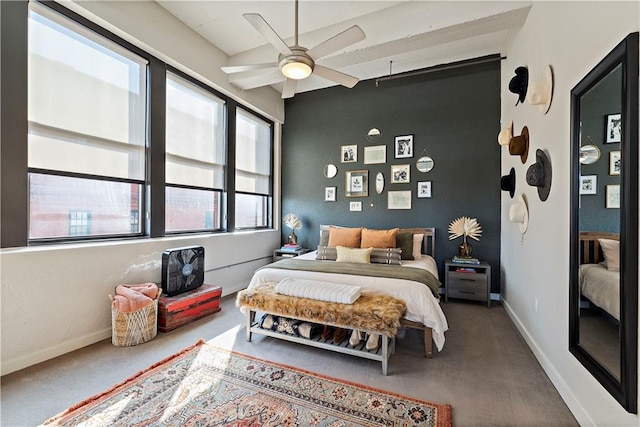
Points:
[(384, 320)]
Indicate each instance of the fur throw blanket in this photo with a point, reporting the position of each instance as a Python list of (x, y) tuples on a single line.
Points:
[(372, 312)]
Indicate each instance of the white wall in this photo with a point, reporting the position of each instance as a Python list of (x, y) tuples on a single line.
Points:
[(572, 37), (54, 299)]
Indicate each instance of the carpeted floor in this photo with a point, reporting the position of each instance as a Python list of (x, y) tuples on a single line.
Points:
[(485, 371), (207, 386)]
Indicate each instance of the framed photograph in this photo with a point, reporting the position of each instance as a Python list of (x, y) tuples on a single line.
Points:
[(588, 184), (424, 190), (355, 206), (329, 194), (613, 196), (614, 162), (613, 126), (404, 146), (400, 174), (375, 154), (399, 199), (349, 154), (357, 183)]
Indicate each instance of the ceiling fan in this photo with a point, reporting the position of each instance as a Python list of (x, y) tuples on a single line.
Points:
[(294, 62)]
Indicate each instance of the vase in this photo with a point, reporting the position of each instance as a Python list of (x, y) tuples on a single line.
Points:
[(465, 249), (292, 239)]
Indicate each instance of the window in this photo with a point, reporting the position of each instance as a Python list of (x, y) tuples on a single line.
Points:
[(195, 157), (87, 131), (79, 223), (253, 171)]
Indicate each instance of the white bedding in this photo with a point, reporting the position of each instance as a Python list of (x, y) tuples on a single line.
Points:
[(601, 287), (422, 306)]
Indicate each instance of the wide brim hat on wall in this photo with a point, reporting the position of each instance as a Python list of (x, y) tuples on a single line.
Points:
[(541, 91), (506, 134), (539, 174), (508, 182), (519, 83), (519, 214), (519, 145)]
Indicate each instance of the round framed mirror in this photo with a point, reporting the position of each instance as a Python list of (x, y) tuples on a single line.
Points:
[(589, 154), (379, 183), (424, 164), (374, 135), (330, 170)]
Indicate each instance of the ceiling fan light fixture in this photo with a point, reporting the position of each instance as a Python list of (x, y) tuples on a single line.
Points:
[(296, 67), (296, 70)]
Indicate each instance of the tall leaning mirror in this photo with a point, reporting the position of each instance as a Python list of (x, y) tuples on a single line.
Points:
[(603, 286)]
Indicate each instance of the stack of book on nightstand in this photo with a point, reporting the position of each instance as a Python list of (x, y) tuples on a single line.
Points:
[(465, 260), (290, 247)]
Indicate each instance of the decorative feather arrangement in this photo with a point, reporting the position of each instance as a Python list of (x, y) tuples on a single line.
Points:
[(465, 226), (292, 221)]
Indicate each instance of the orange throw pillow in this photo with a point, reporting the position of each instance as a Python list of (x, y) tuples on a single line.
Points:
[(347, 237), (379, 238)]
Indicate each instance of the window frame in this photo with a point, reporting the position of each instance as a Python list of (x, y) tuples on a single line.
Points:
[(14, 170), (77, 24)]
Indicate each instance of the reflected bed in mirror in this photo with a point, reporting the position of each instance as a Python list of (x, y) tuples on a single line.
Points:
[(603, 277)]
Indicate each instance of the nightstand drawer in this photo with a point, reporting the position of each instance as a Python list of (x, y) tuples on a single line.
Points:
[(467, 278), (473, 291)]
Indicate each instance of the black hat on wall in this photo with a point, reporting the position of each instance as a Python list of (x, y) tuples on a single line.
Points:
[(508, 182), (519, 83), (539, 174)]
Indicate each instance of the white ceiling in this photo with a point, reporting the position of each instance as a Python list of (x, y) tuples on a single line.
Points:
[(414, 34)]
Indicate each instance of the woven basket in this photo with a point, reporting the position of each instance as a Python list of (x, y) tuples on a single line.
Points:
[(136, 327)]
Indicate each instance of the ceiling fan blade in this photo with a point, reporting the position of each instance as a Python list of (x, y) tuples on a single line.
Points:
[(267, 32), (347, 37), (335, 76), (242, 68), (253, 80), (289, 88)]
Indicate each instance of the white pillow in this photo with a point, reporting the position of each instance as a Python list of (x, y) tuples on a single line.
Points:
[(417, 246), (362, 256), (611, 251)]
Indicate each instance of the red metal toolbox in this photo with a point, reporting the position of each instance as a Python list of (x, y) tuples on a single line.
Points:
[(181, 309)]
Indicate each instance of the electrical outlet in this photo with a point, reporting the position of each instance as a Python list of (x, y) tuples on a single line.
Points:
[(535, 304)]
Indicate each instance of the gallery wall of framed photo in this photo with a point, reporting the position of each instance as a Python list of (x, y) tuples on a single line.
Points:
[(600, 180), (398, 153)]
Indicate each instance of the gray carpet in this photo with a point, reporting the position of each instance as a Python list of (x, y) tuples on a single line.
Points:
[(485, 371)]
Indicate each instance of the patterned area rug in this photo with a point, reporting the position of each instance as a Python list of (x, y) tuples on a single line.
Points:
[(206, 386)]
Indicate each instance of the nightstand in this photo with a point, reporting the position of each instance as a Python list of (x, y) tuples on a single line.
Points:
[(279, 254), (467, 281)]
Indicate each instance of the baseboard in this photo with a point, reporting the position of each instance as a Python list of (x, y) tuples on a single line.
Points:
[(22, 362), (567, 395)]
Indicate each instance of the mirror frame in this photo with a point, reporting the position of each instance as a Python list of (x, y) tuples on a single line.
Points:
[(625, 390)]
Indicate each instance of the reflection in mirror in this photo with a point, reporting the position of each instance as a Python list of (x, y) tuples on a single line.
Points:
[(379, 183), (589, 154), (424, 164), (330, 170), (604, 247), (374, 135)]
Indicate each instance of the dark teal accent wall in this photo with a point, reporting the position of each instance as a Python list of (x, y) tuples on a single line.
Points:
[(603, 99), (454, 116)]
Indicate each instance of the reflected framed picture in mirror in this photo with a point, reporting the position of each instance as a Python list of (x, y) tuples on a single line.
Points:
[(613, 196), (614, 162), (613, 128), (588, 184)]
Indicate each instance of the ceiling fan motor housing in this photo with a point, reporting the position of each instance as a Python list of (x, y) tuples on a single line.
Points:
[(297, 65)]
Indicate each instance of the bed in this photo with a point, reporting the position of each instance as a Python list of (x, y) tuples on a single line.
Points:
[(599, 274), (423, 310)]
